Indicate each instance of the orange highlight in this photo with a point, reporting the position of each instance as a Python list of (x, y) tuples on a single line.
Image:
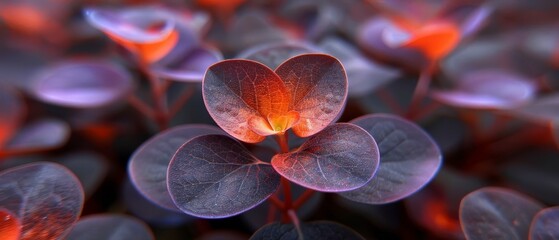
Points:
[(435, 40), (10, 227), (24, 18), (149, 52)]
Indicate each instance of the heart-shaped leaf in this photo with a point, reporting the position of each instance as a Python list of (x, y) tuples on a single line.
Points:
[(273, 54), (10, 226), (308, 231), (110, 226), (497, 213), (46, 197), (494, 89), (409, 159), (341, 157), (214, 176), (545, 224), (148, 164), (12, 110), (147, 31), (238, 90), (82, 84), (317, 84)]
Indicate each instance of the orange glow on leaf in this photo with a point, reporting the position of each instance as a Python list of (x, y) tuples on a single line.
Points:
[(436, 210), (435, 40), (10, 227), (25, 19), (274, 123), (149, 52)]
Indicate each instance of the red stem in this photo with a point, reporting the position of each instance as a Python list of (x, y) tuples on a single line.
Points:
[(303, 198), (420, 89), (158, 96), (179, 103)]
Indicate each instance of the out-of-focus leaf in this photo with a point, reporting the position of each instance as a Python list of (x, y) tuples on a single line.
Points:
[(147, 31), (409, 159), (545, 225), (497, 213), (40, 135), (12, 110), (110, 226), (46, 197), (82, 84), (545, 109), (10, 226), (273, 54), (308, 231), (148, 164), (494, 89), (191, 67), (317, 84), (363, 75), (214, 176), (341, 157)]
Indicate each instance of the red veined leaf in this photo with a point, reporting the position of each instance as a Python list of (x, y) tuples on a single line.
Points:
[(409, 159), (317, 84), (46, 197), (214, 176), (497, 213), (148, 164), (247, 99), (545, 224), (110, 226), (341, 157)]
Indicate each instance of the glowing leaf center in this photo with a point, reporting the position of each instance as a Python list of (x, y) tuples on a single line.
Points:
[(274, 123)]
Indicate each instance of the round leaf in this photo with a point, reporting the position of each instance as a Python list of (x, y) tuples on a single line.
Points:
[(46, 197), (489, 89), (341, 157), (40, 135), (190, 67), (214, 176), (497, 213), (148, 164), (110, 226), (545, 224), (317, 84), (82, 84), (236, 91), (308, 231), (409, 159)]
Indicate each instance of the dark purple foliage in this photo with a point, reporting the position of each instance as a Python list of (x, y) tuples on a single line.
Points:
[(39, 135), (339, 158), (408, 159), (545, 224), (322, 230), (110, 226), (214, 176)]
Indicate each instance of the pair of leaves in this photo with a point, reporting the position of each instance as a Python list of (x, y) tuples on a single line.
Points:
[(250, 101), (46, 199), (214, 176)]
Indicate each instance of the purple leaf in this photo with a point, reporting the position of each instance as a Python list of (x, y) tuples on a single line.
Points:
[(133, 24), (110, 226), (475, 20), (544, 109), (40, 135), (370, 37), (545, 225), (82, 84), (191, 67), (409, 159), (489, 89), (309, 231), (90, 168), (497, 213), (273, 54), (46, 197), (214, 176), (12, 110), (148, 164), (317, 84), (341, 157), (364, 75)]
